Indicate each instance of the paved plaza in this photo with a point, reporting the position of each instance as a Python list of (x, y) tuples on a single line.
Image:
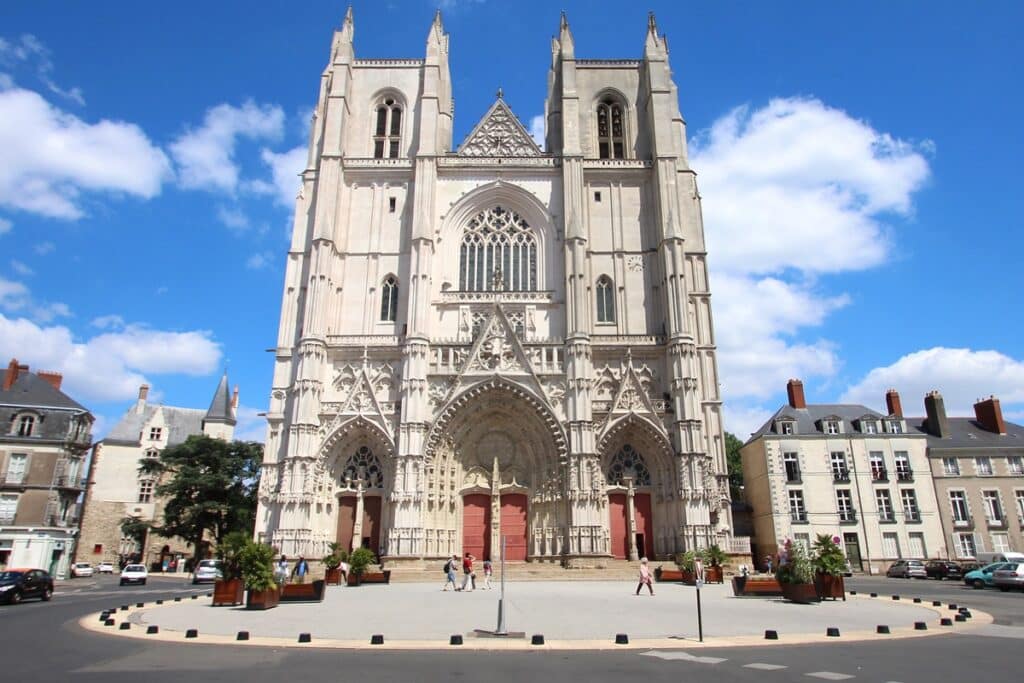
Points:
[(569, 612)]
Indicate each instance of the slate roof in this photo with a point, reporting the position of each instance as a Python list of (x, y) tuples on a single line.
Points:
[(807, 418), (966, 432), (220, 407), (179, 422), (31, 390)]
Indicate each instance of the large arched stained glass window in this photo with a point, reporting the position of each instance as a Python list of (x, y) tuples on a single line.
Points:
[(498, 252), (363, 466), (628, 463)]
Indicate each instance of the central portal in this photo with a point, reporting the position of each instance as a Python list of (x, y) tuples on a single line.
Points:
[(476, 525)]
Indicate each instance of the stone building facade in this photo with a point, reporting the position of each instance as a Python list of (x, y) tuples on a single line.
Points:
[(846, 471), (117, 490), (44, 438), (493, 342)]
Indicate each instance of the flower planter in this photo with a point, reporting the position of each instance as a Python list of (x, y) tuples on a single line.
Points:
[(333, 577), (803, 593), (830, 586), (714, 575), (263, 599), (303, 592), (228, 593)]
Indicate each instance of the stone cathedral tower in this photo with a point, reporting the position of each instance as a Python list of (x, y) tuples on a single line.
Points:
[(491, 340)]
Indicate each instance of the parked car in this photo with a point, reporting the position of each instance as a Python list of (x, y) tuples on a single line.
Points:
[(17, 584), (943, 569), (105, 568), (906, 569), (1010, 576), (134, 573), (1007, 556), (207, 571), (982, 577), (81, 569)]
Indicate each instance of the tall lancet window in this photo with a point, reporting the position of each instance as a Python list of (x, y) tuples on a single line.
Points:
[(628, 463), (387, 134), (389, 299), (605, 291), (609, 129), (498, 252)]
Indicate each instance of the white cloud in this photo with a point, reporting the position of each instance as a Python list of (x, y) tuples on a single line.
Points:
[(21, 268), (962, 376), (29, 50), (537, 129), (108, 322), (259, 260), (44, 248), (285, 169), (233, 217), (5, 226), (206, 155), (792, 192), (112, 365), (51, 156), (15, 297)]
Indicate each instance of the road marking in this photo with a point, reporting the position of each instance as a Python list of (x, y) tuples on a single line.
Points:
[(683, 656), (764, 667), (829, 675)]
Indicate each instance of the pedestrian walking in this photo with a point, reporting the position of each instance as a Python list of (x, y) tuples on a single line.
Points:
[(488, 571), (768, 563), (281, 571), (449, 573), (645, 577), (467, 568), (300, 570)]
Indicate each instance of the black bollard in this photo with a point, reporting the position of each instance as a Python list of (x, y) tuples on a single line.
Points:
[(920, 626), (832, 632), (152, 629), (305, 638), (192, 633), (455, 640), (771, 635), (621, 639), (377, 639), (108, 622), (537, 639), (882, 628), (895, 597), (242, 635), (124, 626), (946, 621)]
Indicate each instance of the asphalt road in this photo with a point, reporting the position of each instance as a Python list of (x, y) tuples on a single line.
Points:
[(42, 642)]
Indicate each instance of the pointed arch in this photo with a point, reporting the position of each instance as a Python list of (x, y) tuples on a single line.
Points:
[(389, 299), (604, 295), (639, 431), (611, 124), (387, 121)]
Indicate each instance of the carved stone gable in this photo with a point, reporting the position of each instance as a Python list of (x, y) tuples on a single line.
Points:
[(499, 134), (497, 349)]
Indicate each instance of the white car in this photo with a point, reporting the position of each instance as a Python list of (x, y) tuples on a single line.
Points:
[(81, 569), (105, 568), (134, 573), (207, 571)]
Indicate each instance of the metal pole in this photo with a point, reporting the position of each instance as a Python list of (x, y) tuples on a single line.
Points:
[(502, 629), (700, 620)]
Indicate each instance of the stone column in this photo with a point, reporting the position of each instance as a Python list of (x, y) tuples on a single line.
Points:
[(495, 510), (357, 527), (631, 518)]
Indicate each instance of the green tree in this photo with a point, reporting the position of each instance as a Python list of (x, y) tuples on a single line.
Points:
[(136, 529), (209, 486), (734, 464)]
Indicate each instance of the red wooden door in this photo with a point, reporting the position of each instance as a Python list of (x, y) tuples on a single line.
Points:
[(513, 525), (346, 521), (476, 525), (618, 525), (644, 524), (371, 524)]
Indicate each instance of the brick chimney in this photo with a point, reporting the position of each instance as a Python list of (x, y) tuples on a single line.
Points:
[(795, 389), (990, 415), (140, 405), (14, 370), (234, 399), (54, 379), (935, 408), (892, 402)]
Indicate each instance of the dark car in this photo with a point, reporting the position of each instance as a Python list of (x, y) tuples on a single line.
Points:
[(943, 569), (17, 584)]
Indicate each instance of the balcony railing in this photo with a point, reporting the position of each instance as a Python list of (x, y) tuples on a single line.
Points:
[(847, 516), (996, 522), (6, 519), (798, 517), (879, 475), (904, 475), (911, 516), (886, 518), (793, 476), (966, 523), (66, 482), (842, 475), (12, 478)]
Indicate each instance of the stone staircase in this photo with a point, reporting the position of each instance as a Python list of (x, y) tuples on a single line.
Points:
[(431, 572)]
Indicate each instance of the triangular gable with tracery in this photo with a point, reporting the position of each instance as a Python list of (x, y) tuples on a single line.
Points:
[(631, 399), (497, 349), (362, 401), (499, 134)]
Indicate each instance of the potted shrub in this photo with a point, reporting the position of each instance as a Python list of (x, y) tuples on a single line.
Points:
[(229, 589), (256, 561), (332, 562), (714, 558), (358, 561), (796, 575), (829, 566), (686, 564)]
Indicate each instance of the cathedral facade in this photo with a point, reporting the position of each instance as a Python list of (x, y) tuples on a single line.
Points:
[(494, 345)]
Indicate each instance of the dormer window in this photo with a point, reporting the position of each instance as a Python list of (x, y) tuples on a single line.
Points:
[(26, 424), (609, 129), (868, 427), (831, 426), (387, 134), (785, 427), (155, 433), (894, 426)]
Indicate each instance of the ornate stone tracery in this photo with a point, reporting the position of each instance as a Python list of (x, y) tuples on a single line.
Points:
[(499, 134)]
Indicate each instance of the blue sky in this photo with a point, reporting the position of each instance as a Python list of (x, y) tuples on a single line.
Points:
[(859, 167)]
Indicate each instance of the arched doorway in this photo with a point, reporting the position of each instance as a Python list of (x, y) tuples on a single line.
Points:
[(360, 478), (495, 470), (629, 499)]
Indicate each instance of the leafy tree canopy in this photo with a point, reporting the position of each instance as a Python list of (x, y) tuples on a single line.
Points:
[(209, 486), (734, 464)]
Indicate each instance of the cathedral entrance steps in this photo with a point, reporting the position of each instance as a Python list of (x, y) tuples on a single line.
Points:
[(523, 571)]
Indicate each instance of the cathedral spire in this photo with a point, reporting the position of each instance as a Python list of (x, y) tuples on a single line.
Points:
[(341, 48), (654, 45), (565, 39)]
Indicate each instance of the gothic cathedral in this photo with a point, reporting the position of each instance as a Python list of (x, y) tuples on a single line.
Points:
[(494, 344)]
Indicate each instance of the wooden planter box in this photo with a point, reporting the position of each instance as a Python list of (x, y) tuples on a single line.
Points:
[(714, 575), (670, 575), (803, 593), (369, 577), (303, 592), (829, 586), (228, 593), (333, 577), (754, 585), (263, 599)]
